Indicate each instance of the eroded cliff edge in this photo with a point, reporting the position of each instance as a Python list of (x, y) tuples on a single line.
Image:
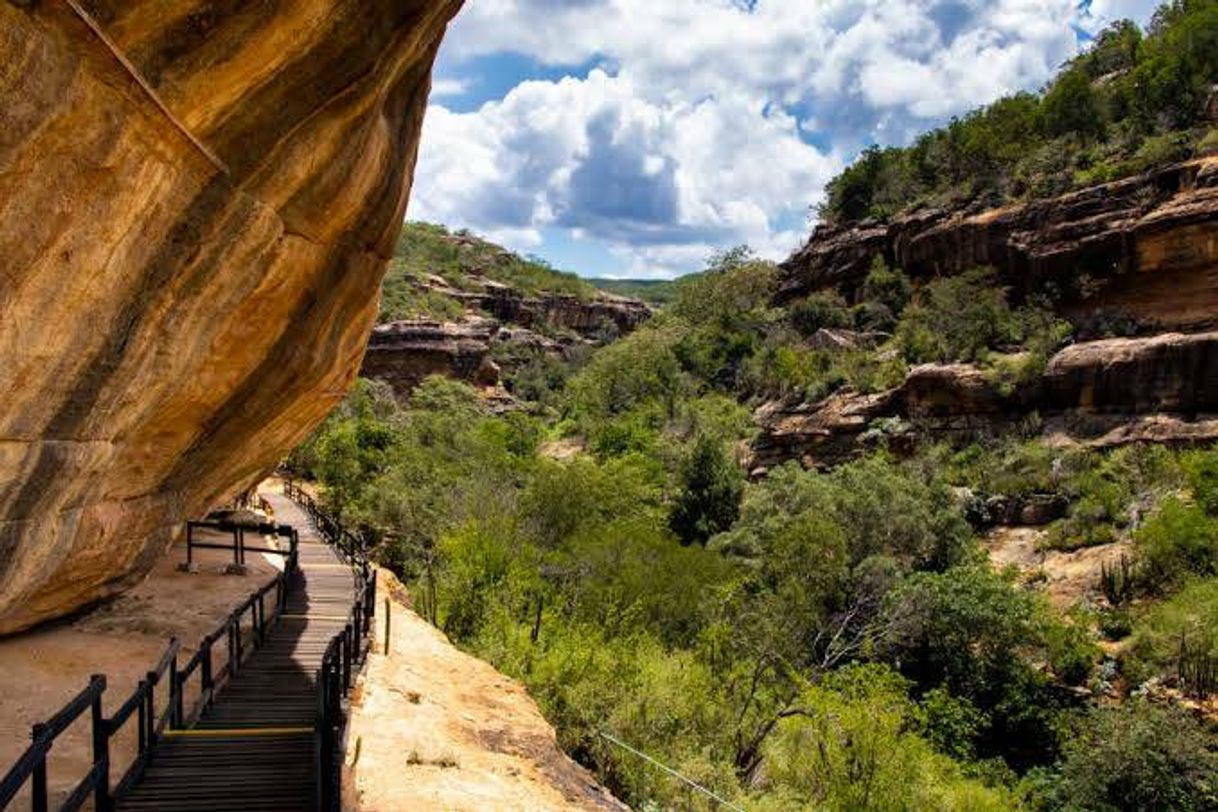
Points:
[(197, 203), (1144, 248), (1140, 253)]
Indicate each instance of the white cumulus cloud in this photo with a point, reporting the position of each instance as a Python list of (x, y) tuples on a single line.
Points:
[(713, 122)]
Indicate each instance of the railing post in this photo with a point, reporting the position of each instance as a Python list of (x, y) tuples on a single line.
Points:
[(387, 620), (151, 676), (39, 778), (142, 688), (101, 748), (190, 544), (233, 659), (176, 688), (236, 548), (206, 665), (319, 761), (260, 617), (347, 654)]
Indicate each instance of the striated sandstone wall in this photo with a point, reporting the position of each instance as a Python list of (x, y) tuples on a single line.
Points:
[(172, 322), (1161, 389), (1144, 248)]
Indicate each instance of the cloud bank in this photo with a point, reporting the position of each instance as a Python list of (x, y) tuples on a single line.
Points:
[(690, 125)]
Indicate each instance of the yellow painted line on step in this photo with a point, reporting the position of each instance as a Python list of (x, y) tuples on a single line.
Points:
[(316, 617), (204, 733)]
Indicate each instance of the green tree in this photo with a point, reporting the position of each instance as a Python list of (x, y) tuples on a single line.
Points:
[(1138, 756), (711, 485), (1072, 107)]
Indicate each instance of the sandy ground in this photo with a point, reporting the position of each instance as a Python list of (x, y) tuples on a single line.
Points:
[(434, 728), (561, 450), (1066, 577), (42, 669)]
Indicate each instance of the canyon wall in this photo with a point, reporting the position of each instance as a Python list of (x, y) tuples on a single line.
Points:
[(1160, 389), (497, 320), (1143, 249), (197, 203)]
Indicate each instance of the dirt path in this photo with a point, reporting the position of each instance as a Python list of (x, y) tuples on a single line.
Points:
[(434, 728)]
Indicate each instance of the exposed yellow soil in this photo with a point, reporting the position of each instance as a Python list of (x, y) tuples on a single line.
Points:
[(561, 450), (1065, 577), (434, 728)]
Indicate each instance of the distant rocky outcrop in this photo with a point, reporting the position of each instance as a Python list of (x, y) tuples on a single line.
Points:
[(404, 352), (592, 317), (1143, 249), (197, 205), (1162, 388)]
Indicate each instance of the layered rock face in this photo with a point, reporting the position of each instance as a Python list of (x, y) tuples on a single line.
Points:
[(403, 353), (1144, 248), (197, 203), (591, 318), (1103, 393)]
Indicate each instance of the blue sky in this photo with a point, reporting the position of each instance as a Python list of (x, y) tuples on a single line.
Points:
[(632, 138)]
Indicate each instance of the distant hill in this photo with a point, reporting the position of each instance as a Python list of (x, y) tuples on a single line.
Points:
[(466, 262), (652, 291)]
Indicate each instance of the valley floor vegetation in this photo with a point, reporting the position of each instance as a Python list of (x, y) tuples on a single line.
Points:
[(812, 640)]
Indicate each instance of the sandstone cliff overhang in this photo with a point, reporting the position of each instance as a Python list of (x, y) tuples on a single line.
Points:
[(197, 203), (1145, 248)]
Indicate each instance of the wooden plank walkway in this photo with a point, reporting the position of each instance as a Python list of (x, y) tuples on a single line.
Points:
[(254, 748)]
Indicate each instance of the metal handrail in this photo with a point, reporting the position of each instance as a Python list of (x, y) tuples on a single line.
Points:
[(32, 766)]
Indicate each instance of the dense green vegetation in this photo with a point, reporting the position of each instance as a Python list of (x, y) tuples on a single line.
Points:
[(1132, 101), (821, 639), (816, 639)]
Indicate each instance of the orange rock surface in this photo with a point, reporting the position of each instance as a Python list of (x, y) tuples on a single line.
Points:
[(197, 203)]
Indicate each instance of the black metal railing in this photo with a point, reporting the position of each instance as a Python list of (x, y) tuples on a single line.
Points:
[(244, 630), (238, 546), (345, 652), (241, 638), (32, 766)]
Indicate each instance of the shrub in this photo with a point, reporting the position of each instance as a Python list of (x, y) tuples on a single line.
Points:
[(888, 287), (1179, 541), (950, 723), (1184, 621), (1138, 756), (639, 368), (851, 746), (820, 310), (711, 487), (1208, 145), (1201, 472), (958, 318)]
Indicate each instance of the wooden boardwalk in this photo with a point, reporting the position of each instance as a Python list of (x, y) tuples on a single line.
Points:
[(254, 748)]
